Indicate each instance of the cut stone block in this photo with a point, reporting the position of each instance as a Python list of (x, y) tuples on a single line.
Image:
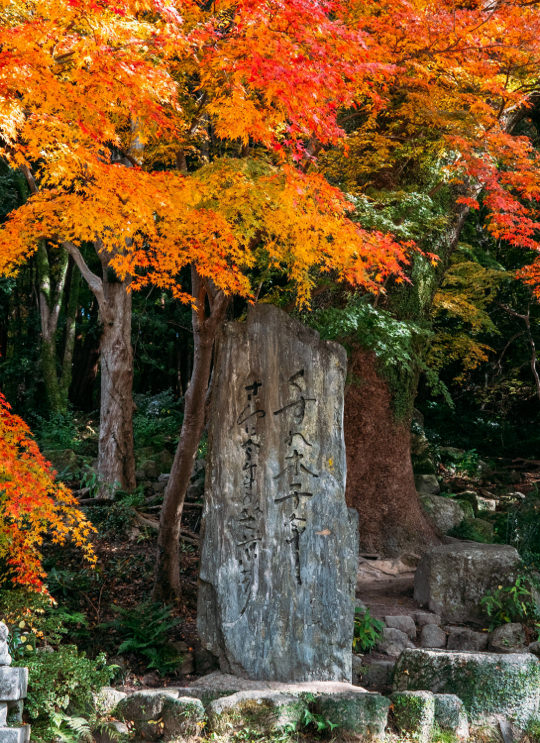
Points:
[(450, 715), (13, 683), (15, 735), (489, 684), (463, 638), (263, 712), (393, 642), (404, 623), (414, 713), (362, 714), (279, 551), (182, 718), (508, 638), (452, 578), (378, 674), (432, 636), (426, 617)]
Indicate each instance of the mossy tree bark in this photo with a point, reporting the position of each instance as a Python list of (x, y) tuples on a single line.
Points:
[(58, 285), (116, 458), (378, 414)]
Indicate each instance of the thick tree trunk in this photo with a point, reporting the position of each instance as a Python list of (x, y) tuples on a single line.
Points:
[(116, 460), (167, 585), (380, 480)]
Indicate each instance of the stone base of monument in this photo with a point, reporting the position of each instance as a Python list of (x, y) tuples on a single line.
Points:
[(269, 706)]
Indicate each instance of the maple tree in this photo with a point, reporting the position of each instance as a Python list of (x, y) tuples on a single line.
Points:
[(33, 506), (119, 160)]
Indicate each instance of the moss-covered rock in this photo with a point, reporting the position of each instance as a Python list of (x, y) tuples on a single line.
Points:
[(263, 712), (489, 684), (414, 713), (450, 714), (182, 718), (445, 513), (364, 714)]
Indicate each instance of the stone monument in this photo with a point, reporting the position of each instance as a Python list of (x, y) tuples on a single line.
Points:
[(13, 687), (279, 546)]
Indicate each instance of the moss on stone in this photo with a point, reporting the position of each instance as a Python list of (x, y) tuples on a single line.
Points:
[(414, 713)]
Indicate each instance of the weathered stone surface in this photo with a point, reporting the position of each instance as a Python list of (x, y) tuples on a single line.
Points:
[(279, 547), (363, 714), (427, 484), (414, 713), (261, 711), (106, 700), (508, 638), (182, 718), (378, 674), (432, 636), (452, 578), (445, 513), (162, 714), (15, 735), (13, 683), (489, 684), (405, 623), (393, 642), (15, 712), (426, 617), (4, 632), (463, 638), (450, 715)]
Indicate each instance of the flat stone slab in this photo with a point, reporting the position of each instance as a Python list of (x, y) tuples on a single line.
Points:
[(279, 548), (452, 578), (489, 684)]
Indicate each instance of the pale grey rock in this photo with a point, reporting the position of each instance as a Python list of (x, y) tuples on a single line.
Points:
[(452, 578), (15, 735), (3, 713), (432, 636), (485, 505), (450, 715), (445, 513), (508, 638), (426, 617), (489, 684), (534, 647), (464, 638), (4, 633), (13, 683), (5, 657), (404, 623), (414, 713), (393, 642), (106, 700), (427, 484), (279, 546)]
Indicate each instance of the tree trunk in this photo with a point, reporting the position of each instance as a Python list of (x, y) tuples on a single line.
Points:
[(380, 480), (167, 584), (116, 459)]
